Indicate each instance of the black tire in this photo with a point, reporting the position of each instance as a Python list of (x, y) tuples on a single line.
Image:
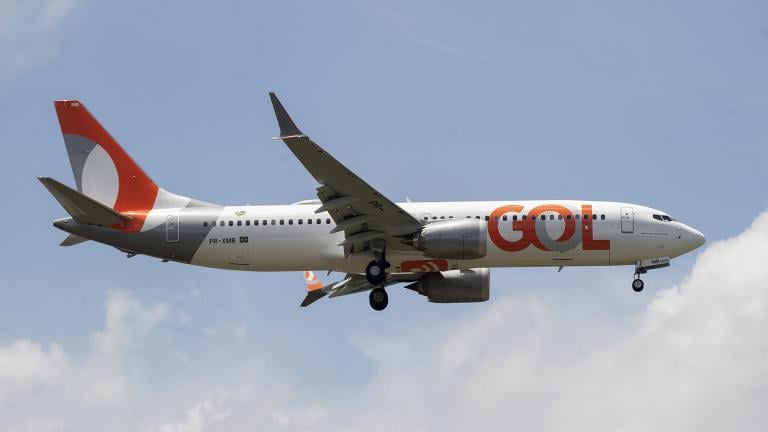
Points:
[(375, 273), (378, 299), (637, 285)]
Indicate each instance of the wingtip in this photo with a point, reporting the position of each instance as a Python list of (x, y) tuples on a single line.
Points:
[(287, 126)]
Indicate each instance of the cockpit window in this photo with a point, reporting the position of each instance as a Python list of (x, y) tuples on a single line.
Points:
[(663, 217)]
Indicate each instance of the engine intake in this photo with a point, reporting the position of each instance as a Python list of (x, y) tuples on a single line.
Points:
[(453, 239), (455, 286)]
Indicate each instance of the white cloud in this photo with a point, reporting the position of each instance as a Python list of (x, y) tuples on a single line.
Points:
[(198, 418), (29, 31), (24, 364), (44, 389)]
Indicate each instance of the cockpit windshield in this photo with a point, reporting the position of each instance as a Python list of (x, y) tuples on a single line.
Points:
[(663, 218)]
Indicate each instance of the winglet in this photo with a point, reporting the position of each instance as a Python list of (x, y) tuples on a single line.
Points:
[(287, 127), (315, 289)]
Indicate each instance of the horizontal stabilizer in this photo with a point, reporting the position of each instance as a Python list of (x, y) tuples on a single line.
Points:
[(72, 240), (312, 297), (83, 209)]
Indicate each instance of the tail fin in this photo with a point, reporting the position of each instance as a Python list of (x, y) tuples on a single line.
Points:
[(102, 169), (314, 289)]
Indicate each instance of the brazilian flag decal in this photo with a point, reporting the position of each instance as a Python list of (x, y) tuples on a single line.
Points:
[(244, 239)]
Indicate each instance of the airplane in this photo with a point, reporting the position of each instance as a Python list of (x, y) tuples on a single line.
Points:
[(441, 250)]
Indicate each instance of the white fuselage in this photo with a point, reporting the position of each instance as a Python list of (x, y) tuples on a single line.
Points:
[(293, 237)]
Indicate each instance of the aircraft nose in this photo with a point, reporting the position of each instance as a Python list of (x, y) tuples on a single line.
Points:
[(694, 237)]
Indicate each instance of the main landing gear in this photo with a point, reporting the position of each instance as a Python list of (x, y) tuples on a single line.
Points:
[(378, 299), (637, 284), (376, 274)]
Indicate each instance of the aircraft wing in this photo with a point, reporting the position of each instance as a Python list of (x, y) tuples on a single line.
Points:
[(362, 212)]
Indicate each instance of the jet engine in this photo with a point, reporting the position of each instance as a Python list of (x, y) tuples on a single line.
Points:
[(455, 286), (452, 239)]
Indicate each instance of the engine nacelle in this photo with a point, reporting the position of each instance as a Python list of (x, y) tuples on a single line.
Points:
[(455, 286), (453, 239)]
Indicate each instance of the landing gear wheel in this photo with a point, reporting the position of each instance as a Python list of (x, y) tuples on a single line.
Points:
[(375, 273), (378, 299), (638, 285)]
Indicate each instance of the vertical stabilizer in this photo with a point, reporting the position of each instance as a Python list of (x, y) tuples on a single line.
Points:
[(102, 169)]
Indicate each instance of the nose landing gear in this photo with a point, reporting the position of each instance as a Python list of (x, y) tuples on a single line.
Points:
[(642, 267)]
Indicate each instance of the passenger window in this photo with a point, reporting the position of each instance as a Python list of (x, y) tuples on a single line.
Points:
[(487, 218), (273, 221), (290, 221), (231, 223), (533, 217), (442, 217), (525, 217), (264, 222), (248, 222), (282, 221), (221, 223), (559, 217), (319, 221), (576, 216), (239, 223), (477, 217), (434, 217), (568, 217), (602, 217), (551, 217), (426, 218), (205, 224), (328, 221), (504, 218), (594, 217), (309, 221), (450, 217), (514, 217), (496, 218), (301, 221)]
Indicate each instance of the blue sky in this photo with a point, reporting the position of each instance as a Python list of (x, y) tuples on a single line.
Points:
[(659, 103)]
